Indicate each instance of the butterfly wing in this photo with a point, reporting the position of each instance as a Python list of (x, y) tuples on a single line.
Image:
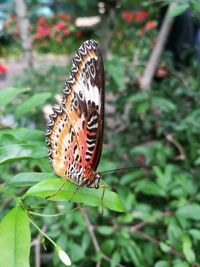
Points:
[(74, 133)]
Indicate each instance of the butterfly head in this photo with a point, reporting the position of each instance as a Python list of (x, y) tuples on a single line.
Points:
[(97, 177), (93, 180)]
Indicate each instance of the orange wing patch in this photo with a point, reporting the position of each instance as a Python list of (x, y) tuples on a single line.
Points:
[(74, 133)]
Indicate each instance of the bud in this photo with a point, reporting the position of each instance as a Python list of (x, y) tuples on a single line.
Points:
[(63, 256)]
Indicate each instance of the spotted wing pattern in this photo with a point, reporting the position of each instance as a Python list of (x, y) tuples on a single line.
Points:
[(74, 133)]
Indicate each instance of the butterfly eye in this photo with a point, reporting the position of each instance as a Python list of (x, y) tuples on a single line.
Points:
[(98, 176)]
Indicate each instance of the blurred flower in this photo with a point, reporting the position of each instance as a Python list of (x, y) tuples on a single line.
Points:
[(3, 69), (64, 257), (66, 31), (150, 25), (59, 25), (64, 16), (59, 38), (43, 31), (79, 34), (127, 16), (41, 21), (141, 31), (140, 159), (87, 21), (140, 15)]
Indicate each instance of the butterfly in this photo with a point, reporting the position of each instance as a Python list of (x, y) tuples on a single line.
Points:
[(74, 133)]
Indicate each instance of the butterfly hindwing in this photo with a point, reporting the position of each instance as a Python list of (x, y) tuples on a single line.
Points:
[(74, 134)]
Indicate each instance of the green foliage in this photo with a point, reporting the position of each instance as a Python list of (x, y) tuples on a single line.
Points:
[(59, 189), (15, 238), (151, 214)]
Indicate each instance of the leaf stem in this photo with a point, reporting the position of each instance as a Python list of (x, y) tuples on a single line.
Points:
[(43, 233)]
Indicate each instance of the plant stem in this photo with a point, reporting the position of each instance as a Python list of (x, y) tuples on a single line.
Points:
[(43, 233)]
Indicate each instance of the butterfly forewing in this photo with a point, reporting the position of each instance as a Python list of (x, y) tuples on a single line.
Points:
[(74, 133)]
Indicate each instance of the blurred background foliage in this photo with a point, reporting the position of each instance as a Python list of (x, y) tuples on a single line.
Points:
[(158, 127)]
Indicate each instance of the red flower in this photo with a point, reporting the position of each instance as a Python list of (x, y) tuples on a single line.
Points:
[(64, 16), (66, 31), (3, 69), (150, 25), (59, 38), (43, 31), (140, 159), (59, 26), (127, 16), (141, 31), (79, 34), (41, 21), (140, 15)]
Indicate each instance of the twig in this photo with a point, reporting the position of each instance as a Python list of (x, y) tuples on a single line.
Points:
[(181, 151), (157, 242), (93, 237), (90, 229), (145, 81), (140, 225), (135, 229), (36, 243), (180, 77)]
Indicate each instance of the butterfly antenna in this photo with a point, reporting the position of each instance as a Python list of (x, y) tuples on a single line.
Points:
[(131, 168)]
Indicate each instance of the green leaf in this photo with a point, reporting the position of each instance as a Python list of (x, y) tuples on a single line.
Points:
[(181, 263), (9, 94), (88, 196), (15, 239), (179, 10), (164, 247), (115, 260), (31, 103), (187, 248), (12, 153), (191, 121), (163, 178), (76, 252), (190, 211), (29, 178), (129, 177), (195, 233), (135, 253), (116, 70), (107, 246), (163, 104), (105, 230), (142, 107), (24, 134), (149, 188), (161, 264), (139, 97)]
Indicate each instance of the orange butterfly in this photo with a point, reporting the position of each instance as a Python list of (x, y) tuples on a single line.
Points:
[(75, 131)]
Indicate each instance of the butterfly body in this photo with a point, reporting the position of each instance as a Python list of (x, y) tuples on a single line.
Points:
[(74, 133)]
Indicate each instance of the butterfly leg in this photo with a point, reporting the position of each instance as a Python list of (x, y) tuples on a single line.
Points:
[(74, 193), (59, 189), (102, 198)]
